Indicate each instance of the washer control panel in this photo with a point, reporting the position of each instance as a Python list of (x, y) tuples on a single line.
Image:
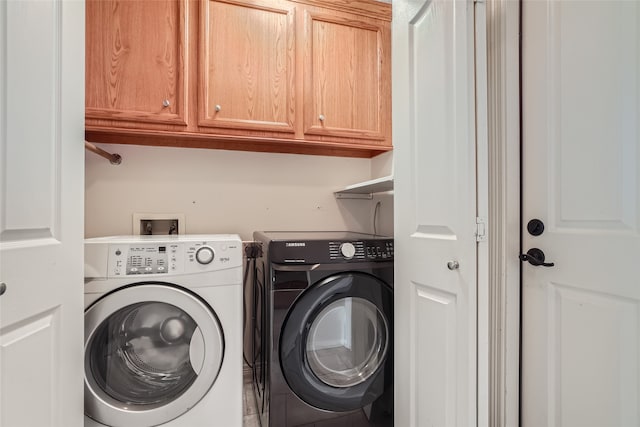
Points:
[(170, 258), (143, 259)]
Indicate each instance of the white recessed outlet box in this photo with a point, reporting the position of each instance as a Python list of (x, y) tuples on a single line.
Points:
[(158, 223)]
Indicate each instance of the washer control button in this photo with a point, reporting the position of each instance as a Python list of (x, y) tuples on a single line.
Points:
[(205, 254), (347, 250)]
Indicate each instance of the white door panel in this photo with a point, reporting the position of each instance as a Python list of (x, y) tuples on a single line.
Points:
[(434, 314), (29, 78), (435, 213), (581, 148), (41, 212), (35, 336)]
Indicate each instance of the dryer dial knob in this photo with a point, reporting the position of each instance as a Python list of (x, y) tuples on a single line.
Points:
[(347, 250), (205, 255)]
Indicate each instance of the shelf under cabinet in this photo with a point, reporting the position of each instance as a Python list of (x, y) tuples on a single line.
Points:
[(366, 189)]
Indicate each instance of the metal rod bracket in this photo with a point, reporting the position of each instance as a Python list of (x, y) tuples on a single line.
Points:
[(114, 159)]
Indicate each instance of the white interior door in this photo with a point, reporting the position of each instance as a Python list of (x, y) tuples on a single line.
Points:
[(435, 213), (41, 212), (581, 317)]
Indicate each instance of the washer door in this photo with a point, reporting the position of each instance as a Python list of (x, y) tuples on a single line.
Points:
[(336, 342), (152, 351)]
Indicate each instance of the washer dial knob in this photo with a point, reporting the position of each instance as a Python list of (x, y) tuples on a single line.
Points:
[(347, 250), (205, 254)]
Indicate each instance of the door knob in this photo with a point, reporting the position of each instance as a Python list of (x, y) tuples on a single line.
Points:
[(535, 227), (535, 257), (3, 288), (453, 265)]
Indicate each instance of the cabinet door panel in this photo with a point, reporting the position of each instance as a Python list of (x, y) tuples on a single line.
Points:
[(345, 77), (247, 65), (135, 60)]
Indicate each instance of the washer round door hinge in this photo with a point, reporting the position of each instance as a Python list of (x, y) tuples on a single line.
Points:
[(205, 255)]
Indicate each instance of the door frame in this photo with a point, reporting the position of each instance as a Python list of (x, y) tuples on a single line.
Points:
[(503, 83)]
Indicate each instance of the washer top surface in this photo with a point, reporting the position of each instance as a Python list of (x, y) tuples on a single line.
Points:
[(163, 238)]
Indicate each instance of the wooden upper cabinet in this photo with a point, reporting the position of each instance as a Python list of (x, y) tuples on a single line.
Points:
[(347, 90), (247, 65), (135, 68), (289, 76)]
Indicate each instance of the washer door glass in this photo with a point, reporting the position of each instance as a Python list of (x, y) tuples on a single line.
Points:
[(140, 354), (347, 342), (152, 352)]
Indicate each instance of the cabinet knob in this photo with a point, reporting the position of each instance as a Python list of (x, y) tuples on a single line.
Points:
[(218, 107), (321, 117), (166, 103)]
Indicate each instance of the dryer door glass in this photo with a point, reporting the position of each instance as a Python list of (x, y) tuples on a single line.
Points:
[(336, 342), (140, 354), (347, 342)]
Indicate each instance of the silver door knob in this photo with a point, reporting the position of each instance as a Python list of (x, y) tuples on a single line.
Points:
[(166, 103), (218, 107), (321, 117), (3, 288), (453, 265)]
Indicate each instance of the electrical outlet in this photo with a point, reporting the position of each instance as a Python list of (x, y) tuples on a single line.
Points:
[(160, 224)]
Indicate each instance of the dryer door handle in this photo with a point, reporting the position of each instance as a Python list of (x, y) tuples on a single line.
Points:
[(293, 267), (196, 351)]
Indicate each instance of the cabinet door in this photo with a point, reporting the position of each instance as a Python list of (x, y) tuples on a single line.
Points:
[(135, 60), (247, 61), (347, 72)]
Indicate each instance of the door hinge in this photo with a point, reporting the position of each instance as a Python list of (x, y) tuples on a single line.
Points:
[(481, 229)]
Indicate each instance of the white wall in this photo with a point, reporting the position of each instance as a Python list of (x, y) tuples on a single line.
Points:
[(228, 191), (382, 165)]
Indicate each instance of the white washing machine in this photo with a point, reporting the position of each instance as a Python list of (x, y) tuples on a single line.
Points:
[(163, 331)]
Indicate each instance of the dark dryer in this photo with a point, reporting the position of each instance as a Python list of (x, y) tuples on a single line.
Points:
[(323, 329)]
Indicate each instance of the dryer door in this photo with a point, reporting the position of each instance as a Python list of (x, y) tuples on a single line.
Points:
[(336, 342), (152, 351)]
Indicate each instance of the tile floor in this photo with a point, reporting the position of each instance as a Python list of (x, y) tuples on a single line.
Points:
[(250, 412)]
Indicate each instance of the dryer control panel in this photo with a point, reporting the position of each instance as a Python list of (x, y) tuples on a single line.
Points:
[(327, 247), (361, 250)]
